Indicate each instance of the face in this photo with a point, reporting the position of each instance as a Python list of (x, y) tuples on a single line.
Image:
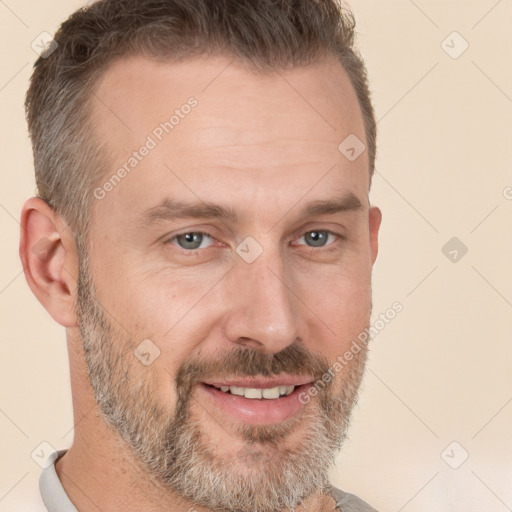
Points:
[(227, 270)]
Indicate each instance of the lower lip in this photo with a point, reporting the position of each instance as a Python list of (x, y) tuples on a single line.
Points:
[(257, 411)]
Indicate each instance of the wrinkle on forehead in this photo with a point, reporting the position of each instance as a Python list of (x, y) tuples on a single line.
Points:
[(316, 103), (247, 131)]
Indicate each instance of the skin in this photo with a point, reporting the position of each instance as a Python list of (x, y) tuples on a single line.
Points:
[(256, 145)]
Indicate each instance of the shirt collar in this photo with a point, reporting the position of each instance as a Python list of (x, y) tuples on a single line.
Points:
[(53, 494)]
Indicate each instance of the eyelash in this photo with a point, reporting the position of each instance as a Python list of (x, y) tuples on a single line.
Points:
[(325, 249)]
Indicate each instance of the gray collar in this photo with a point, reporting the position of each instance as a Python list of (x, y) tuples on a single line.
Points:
[(53, 494)]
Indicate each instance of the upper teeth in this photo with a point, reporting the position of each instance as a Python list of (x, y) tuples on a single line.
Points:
[(269, 393)]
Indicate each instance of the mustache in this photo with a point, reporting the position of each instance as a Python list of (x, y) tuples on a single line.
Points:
[(248, 362)]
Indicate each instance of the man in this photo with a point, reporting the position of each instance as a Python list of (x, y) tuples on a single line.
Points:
[(203, 232)]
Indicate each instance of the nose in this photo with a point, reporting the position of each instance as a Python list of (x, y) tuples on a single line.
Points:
[(263, 310)]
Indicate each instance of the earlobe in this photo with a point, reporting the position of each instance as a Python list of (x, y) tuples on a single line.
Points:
[(375, 219), (48, 256)]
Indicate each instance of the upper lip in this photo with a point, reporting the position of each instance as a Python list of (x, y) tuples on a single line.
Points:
[(261, 382)]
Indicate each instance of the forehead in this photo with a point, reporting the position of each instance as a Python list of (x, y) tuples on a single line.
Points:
[(280, 130)]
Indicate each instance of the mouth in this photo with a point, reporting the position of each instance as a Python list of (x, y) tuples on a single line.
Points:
[(256, 401), (257, 394)]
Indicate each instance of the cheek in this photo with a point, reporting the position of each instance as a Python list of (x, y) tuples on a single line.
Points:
[(175, 314), (151, 303), (341, 301)]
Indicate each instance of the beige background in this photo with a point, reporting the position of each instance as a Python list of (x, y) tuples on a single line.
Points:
[(441, 370)]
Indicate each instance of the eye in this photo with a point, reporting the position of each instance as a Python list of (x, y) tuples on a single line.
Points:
[(318, 238), (192, 240)]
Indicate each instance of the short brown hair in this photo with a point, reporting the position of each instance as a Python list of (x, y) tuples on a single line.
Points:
[(264, 35)]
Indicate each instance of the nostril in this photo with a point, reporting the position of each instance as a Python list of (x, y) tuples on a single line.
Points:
[(250, 343)]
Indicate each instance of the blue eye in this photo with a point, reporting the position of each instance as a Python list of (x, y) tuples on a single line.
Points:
[(317, 238), (195, 240), (192, 240)]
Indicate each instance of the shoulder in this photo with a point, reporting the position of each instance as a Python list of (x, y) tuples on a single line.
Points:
[(347, 502)]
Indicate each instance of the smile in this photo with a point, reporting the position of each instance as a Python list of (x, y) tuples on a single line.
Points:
[(255, 393), (255, 401)]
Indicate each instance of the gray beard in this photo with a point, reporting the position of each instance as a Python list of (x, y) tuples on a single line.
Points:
[(173, 450)]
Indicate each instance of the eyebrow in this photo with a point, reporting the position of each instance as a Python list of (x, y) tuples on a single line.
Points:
[(171, 209)]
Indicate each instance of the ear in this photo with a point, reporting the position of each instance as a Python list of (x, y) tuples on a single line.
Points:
[(375, 218), (50, 261)]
